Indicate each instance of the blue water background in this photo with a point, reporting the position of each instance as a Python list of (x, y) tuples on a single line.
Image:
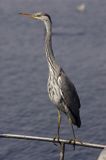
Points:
[(79, 43)]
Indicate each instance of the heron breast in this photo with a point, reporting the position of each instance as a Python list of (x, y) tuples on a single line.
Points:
[(54, 92)]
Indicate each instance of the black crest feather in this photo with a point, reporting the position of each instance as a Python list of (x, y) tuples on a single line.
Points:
[(48, 17)]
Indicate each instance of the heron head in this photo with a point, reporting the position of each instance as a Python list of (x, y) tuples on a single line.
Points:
[(38, 16)]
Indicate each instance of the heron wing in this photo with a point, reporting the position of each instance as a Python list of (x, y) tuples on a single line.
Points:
[(69, 95)]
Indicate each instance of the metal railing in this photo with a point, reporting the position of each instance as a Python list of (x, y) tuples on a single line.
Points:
[(61, 142)]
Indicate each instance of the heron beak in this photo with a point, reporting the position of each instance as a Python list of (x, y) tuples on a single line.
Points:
[(28, 15)]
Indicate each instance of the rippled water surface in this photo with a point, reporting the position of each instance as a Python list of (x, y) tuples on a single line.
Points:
[(79, 43)]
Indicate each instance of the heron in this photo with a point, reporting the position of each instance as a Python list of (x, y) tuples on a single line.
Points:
[(61, 90)]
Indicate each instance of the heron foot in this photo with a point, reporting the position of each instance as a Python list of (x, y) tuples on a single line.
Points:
[(56, 139), (73, 141)]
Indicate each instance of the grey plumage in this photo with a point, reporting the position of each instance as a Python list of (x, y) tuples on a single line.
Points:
[(61, 90), (64, 95), (70, 98)]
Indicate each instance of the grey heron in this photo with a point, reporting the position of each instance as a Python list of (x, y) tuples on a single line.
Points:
[(61, 90)]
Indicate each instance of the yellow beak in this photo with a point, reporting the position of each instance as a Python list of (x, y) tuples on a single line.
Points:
[(26, 14), (31, 15)]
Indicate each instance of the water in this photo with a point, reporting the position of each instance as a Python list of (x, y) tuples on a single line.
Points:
[(79, 43)]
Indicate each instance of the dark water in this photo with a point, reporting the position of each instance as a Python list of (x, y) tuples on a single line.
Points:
[(79, 42)]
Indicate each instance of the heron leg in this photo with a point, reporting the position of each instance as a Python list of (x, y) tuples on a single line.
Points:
[(70, 122), (58, 129), (59, 123)]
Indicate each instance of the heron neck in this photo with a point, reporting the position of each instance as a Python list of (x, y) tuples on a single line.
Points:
[(48, 46)]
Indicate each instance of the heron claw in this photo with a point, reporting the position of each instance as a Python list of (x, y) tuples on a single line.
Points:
[(73, 141), (56, 138)]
